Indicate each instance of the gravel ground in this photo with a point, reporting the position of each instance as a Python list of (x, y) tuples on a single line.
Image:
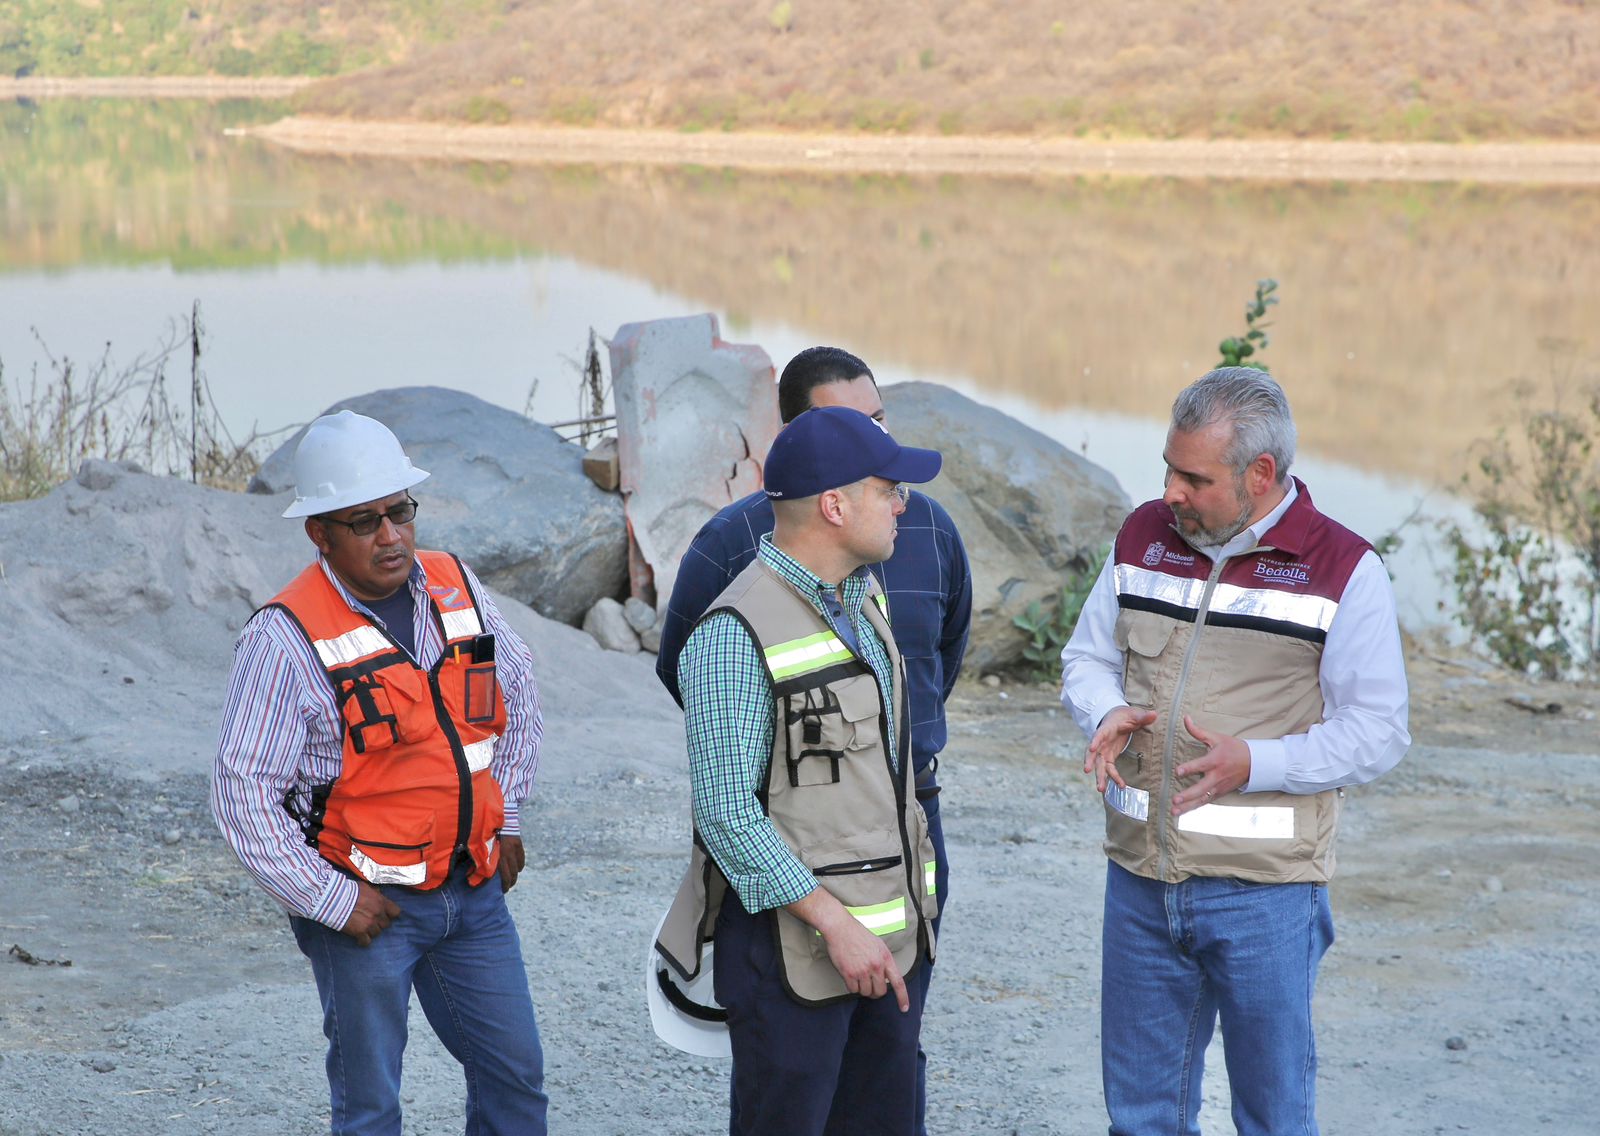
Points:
[(1461, 996)]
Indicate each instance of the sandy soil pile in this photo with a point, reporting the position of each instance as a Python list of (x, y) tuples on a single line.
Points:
[(1461, 996)]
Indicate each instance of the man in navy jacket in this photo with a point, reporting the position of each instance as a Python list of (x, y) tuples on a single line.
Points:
[(927, 580)]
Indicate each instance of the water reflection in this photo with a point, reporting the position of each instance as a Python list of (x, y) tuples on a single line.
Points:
[(1406, 307)]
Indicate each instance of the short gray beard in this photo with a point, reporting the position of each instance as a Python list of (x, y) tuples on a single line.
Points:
[(1216, 538)]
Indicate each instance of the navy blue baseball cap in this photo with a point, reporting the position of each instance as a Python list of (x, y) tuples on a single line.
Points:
[(830, 446)]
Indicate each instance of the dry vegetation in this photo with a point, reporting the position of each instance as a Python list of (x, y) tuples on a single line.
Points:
[(1446, 70)]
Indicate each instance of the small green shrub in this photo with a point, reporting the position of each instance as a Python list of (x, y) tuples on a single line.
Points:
[(1236, 350), (1528, 585), (1049, 624)]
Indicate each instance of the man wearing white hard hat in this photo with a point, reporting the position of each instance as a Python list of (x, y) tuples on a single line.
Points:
[(381, 729), (812, 870)]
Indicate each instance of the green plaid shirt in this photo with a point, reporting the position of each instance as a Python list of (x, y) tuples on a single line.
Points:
[(728, 715)]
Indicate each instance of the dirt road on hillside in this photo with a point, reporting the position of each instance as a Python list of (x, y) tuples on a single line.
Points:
[(1543, 163)]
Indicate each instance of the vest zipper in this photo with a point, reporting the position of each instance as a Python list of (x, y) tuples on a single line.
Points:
[(463, 774), (1164, 803), (1173, 721)]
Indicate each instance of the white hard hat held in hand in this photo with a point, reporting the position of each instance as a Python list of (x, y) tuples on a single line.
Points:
[(685, 1014), (347, 459)]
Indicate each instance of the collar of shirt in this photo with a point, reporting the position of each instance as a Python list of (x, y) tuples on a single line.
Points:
[(851, 590), (417, 581), (1248, 537)]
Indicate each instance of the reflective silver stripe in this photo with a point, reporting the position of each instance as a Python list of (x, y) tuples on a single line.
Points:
[(1132, 580), (1268, 822), (352, 645), (1284, 607), (459, 624), (1130, 802), (479, 754), (1228, 599), (409, 874)]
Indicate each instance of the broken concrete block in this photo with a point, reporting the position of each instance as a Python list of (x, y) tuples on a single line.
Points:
[(695, 417), (602, 466)]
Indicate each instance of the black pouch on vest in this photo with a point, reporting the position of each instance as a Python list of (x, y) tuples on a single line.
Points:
[(815, 742), (368, 714)]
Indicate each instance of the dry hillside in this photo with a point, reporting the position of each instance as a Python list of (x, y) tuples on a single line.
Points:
[(1441, 69)]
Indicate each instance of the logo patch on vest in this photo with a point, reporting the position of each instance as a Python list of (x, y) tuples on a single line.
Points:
[(1152, 555), (1283, 572), (446, 597)]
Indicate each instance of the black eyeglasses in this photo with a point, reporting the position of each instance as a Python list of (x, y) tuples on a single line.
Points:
[(402, 514)]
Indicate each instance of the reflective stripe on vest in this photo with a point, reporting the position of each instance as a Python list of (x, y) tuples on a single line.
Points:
[(460, 624), (352, 645), (881, 918), (1259, 822), (930, 876), (410, 875), (480, 754), (1310, 611), (812, 653)]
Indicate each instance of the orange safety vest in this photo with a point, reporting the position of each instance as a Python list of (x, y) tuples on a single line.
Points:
[(414, 789)]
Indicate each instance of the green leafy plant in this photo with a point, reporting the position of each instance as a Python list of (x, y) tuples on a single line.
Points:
[(1049, 623), (1236, 350), (1528, 583)]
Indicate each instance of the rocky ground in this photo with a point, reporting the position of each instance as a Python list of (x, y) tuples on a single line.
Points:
[(1461, 996)]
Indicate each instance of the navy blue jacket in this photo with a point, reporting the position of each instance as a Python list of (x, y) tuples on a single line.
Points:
[(927, 580)]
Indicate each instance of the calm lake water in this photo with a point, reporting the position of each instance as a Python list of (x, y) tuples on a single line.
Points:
[(1078, 305)]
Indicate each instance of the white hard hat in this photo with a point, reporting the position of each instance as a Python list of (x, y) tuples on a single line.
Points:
[(346, 459), (685, 1014)]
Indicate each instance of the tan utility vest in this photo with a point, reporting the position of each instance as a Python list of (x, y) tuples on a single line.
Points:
[(1237, 646), (831, 791)]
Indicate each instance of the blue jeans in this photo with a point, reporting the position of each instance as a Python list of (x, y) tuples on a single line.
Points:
[(458, 948), (1175, 958)]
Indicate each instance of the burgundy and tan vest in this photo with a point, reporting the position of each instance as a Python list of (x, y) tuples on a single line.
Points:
[(1238, 646), (831, 792)]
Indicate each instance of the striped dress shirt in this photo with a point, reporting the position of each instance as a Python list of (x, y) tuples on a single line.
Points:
[(281, 731), (728, 717)]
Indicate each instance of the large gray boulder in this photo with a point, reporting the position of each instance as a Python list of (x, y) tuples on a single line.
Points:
[(506, 494), (1030, 511)]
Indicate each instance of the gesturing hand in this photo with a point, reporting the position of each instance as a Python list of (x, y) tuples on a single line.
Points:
[(1224, 767), (1110, 740)]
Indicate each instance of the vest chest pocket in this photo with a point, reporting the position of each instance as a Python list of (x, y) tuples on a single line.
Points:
[(1142, 638), (369, 715), (824, 724), (482, 693), (867, 875)]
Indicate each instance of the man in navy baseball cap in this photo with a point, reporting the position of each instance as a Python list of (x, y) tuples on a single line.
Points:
[(808, 829), (833, 446)]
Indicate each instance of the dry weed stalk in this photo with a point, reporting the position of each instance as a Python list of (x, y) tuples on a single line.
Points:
[(71, 414)]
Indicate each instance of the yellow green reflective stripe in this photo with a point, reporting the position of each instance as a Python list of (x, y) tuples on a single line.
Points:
[(930, 876), (882, 918), (883, 605), (809, 654)]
